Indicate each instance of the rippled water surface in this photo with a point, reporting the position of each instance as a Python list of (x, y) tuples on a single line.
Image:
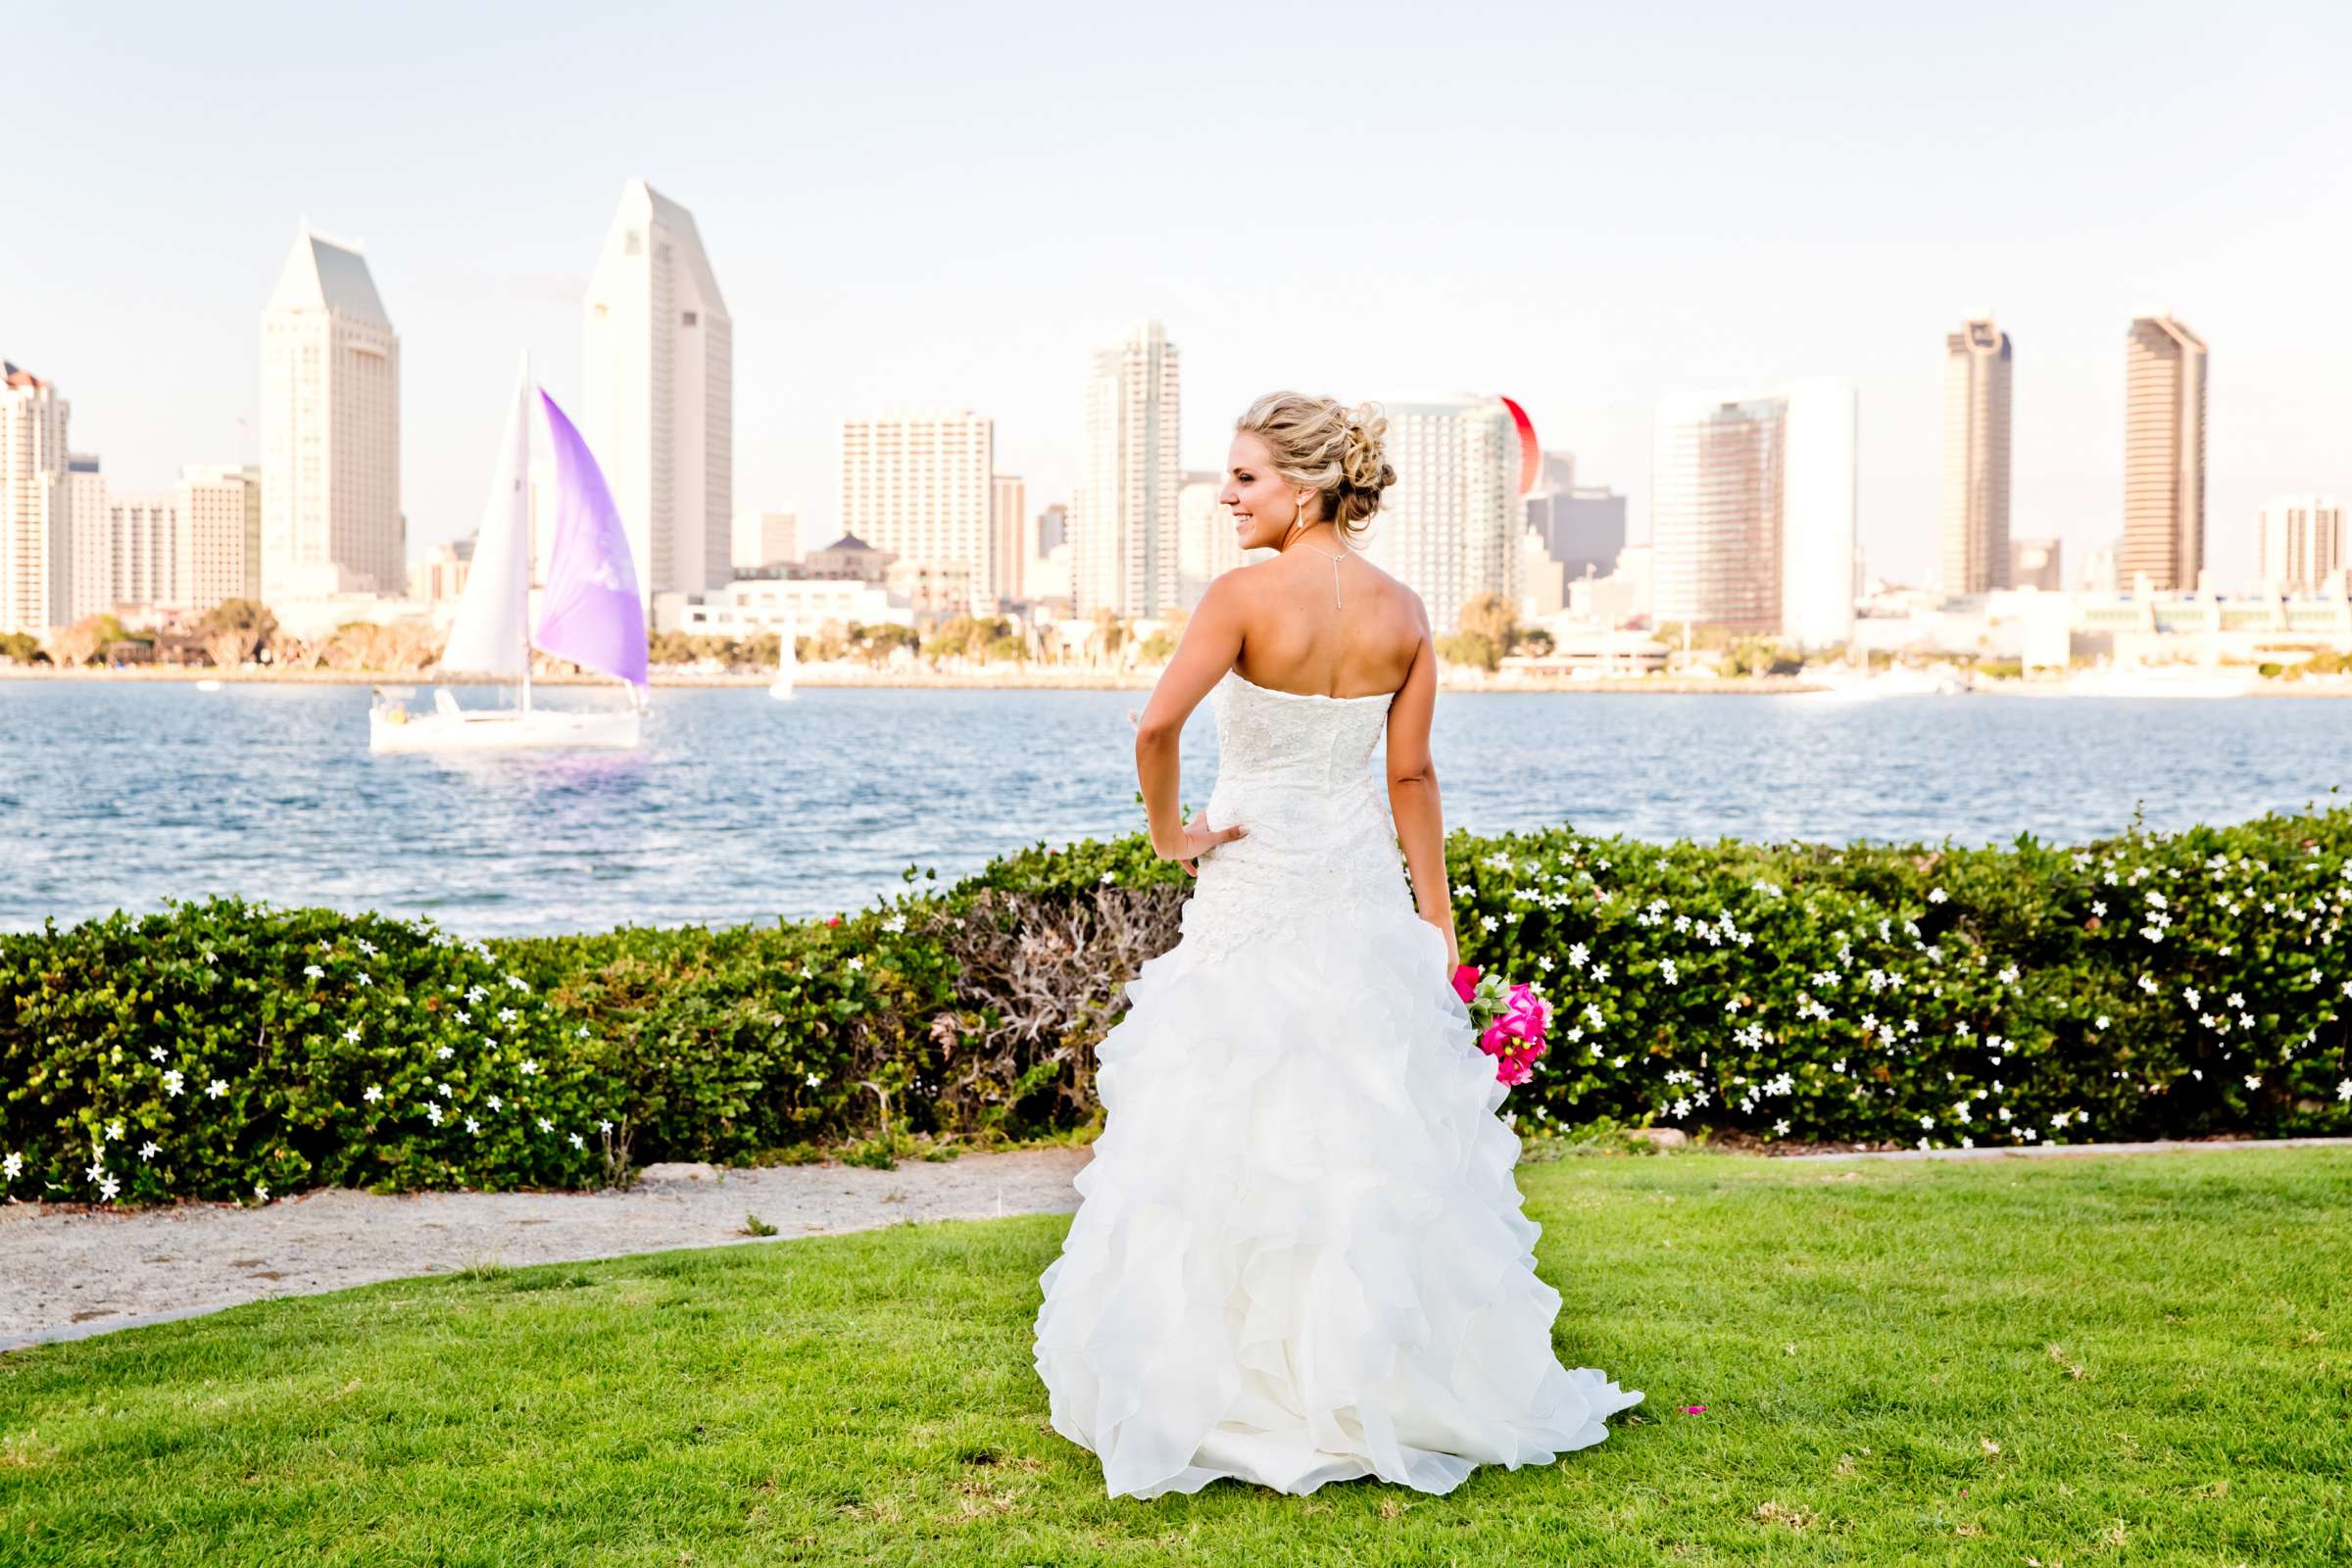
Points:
[(740, 809)]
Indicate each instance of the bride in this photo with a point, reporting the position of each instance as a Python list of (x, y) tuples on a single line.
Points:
[(1301, 1257)]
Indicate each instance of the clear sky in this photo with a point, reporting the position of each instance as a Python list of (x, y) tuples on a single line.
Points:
[(1582, 206)]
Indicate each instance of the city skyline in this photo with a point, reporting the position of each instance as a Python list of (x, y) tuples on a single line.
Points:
[(944, 291)]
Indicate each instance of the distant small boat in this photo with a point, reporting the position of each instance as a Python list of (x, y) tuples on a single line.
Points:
[(208, 684), (589, 612)]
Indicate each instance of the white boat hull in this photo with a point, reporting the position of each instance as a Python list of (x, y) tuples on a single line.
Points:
[(494, 730)]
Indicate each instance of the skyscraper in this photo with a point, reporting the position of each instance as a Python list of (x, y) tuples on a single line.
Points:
[(921, 484), (2302, 543), (217, 555), (89, 546), (1206, 546), (330, 430), (1976, 458), (1123, 533), (34, 547), (1752, 510), (2164, 455), (764, 538), (658, 403), (1449, 527), (1008, 527)]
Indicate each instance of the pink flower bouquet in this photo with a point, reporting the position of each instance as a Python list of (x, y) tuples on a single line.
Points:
[(1510, 1020)]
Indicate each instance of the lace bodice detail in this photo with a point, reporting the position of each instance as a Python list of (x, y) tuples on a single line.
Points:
[(1296, 771)]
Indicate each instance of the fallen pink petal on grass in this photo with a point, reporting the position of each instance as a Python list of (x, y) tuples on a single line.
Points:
[(1695, 1409)]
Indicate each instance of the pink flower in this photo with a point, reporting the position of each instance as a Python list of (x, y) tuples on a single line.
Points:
[(1465, 980), (1693, 1410), (1511, 1070)]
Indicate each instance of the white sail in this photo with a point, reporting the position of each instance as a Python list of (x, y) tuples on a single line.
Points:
[(786, 662), (489, 636)]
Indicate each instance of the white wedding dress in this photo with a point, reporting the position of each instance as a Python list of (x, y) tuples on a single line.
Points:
[(1301, 1257)]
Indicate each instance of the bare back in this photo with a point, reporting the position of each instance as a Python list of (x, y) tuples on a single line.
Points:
[(1296, 638)]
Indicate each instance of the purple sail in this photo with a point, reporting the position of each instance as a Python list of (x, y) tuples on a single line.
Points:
[(589, 612)]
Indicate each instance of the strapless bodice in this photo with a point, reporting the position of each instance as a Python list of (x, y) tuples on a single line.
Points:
[(1295, 770)]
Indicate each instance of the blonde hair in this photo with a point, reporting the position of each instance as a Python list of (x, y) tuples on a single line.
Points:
[(1333, 451)]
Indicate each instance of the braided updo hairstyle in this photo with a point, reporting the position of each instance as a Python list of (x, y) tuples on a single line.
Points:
[(1337, 451)]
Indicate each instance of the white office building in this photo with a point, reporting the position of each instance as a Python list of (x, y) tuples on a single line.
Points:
[(33, 536), (1123, 530), (1449, 529), (657, 407), (89, 542), (2302, 543), (218, 550), (1752, 510), (143, 569), (330, 430), (1009, 538), (921, 486), (765, 538)]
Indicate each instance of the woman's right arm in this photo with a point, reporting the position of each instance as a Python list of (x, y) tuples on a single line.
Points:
[(1413, 794)]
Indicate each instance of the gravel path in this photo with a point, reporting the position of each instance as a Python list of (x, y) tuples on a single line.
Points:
[(76, 1271), (73, 1272)]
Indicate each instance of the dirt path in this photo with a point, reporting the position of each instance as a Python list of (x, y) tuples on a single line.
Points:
[(75, 1272), (72, 1272)]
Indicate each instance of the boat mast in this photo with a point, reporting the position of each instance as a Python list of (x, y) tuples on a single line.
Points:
[(530, 548)]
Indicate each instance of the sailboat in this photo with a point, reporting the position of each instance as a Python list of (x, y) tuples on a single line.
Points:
[(589, 612), (787, 659)]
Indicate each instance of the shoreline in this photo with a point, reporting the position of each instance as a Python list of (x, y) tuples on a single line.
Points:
[(820, 678), (839, 678)]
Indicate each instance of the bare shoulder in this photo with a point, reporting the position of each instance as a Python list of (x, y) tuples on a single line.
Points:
[(1396, 602)]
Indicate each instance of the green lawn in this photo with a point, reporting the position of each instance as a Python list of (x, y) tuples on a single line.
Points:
[(2082, 1361)]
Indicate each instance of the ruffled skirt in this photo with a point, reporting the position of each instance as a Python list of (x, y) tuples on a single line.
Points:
[(1301, 1257)]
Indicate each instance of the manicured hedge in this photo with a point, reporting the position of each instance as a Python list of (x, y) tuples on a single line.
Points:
[(2156, 984)]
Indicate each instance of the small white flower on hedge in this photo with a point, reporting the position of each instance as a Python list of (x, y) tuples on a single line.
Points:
[(366, 946), (432, 1113), (472, 1126), (156, 1052), (261, 1191), (1600, 974), (464, 1016), (497, 1103), (2253, 1080), (448, 1093), (314, 971), (1488, 922), (1935, 895), (172, 1081), (603, 1126), (217, 1088), (367, 980), (2343, 1091), (108, 1188), (856, 965), (351, 1033), (577, 1141), (583, 1031), (546, 1126), (97, 1169), (2007, 976), (895, 924), (445, 1052), (814, 1080), (514, 982), (506, 1016), (150, 1149), (2147, 983), (374, 1093), (114, 1129), (529, 1068), (1926, 1121)]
